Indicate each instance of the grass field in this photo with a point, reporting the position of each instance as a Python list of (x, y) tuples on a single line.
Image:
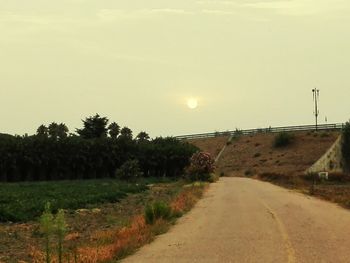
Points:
[(26, 201)]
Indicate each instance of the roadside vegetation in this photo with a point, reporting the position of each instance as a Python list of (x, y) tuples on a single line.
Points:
[(116, 243)]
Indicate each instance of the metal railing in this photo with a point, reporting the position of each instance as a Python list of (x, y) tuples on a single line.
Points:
[(321, 127)]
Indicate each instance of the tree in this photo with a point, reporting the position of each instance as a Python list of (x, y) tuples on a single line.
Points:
[(94, 127), (42, 131), (126, 133), (53, 130), (62, 131), (142, 136), (58, 131), (114, 130)]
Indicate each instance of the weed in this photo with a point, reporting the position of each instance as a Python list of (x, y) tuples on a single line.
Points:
[(61, 229), (47, 228), (158, 210)]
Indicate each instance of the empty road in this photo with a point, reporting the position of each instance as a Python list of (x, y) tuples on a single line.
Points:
[(245, 220)]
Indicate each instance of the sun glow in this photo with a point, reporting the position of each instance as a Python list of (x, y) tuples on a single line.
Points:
[(192, 103)]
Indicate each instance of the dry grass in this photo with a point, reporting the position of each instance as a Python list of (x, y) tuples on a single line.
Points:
[(258, 155), (210, 145)]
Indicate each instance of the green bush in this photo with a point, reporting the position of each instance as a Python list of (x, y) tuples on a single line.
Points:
[(158, 210), (283, 139), (130, 170)]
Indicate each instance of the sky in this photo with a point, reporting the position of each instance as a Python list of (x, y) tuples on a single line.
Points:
[(248, 63)]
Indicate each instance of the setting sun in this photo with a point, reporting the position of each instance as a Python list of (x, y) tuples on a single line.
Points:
[(192, 103)]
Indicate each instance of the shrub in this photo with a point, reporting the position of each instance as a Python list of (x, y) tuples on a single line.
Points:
[(257, 155), (283, 139), (325, 134), (158, 210), (201, 167), (346, 145), (129, 170), (248, 173)]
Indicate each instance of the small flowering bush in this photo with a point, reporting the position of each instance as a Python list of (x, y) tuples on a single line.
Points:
[(201, 167)]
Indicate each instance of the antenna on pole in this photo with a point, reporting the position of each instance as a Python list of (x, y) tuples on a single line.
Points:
[(316, 97)]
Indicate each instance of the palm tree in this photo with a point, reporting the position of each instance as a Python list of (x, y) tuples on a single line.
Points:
[(126, 133), (114, 130), (42, 131), (142, 136)]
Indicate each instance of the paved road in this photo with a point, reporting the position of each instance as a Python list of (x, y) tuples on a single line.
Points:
[(244, 220)]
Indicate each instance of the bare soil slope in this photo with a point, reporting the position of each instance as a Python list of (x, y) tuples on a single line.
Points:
[(210, 145), (254, 155)]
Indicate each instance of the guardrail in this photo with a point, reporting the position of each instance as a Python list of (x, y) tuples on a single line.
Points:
[(321, 127)]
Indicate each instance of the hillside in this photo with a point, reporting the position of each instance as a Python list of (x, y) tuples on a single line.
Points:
[(254, 155), (210, 145)]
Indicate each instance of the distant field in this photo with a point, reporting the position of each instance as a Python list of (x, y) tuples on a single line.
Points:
[(26, 201)]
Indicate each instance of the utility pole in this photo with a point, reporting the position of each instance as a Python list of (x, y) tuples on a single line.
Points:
[(316, 96)]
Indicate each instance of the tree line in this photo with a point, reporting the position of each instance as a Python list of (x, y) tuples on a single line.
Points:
[(97, 150)]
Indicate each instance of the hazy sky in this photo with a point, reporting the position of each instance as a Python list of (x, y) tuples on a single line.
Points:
[(250, 63)]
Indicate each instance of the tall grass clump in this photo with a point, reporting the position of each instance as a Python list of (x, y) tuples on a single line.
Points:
[(53, 229), (158, 210), (47, 229), (60, 229), (283, 139)]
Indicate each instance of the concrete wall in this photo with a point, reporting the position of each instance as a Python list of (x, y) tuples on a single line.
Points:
[(331, 161)]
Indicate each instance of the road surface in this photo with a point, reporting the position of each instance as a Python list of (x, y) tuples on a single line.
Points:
[(245, 220)]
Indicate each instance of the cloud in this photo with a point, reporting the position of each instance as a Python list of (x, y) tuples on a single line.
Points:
[(282, 7), (115, 14)]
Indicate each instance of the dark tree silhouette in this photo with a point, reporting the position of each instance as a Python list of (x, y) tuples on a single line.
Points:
[(94, 155), (42, 131), (126, 133), (142, 136), (114, 130), (94, 127)]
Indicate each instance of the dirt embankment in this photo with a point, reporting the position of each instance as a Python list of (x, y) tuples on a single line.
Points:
[(211, 145), (254, 155)]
